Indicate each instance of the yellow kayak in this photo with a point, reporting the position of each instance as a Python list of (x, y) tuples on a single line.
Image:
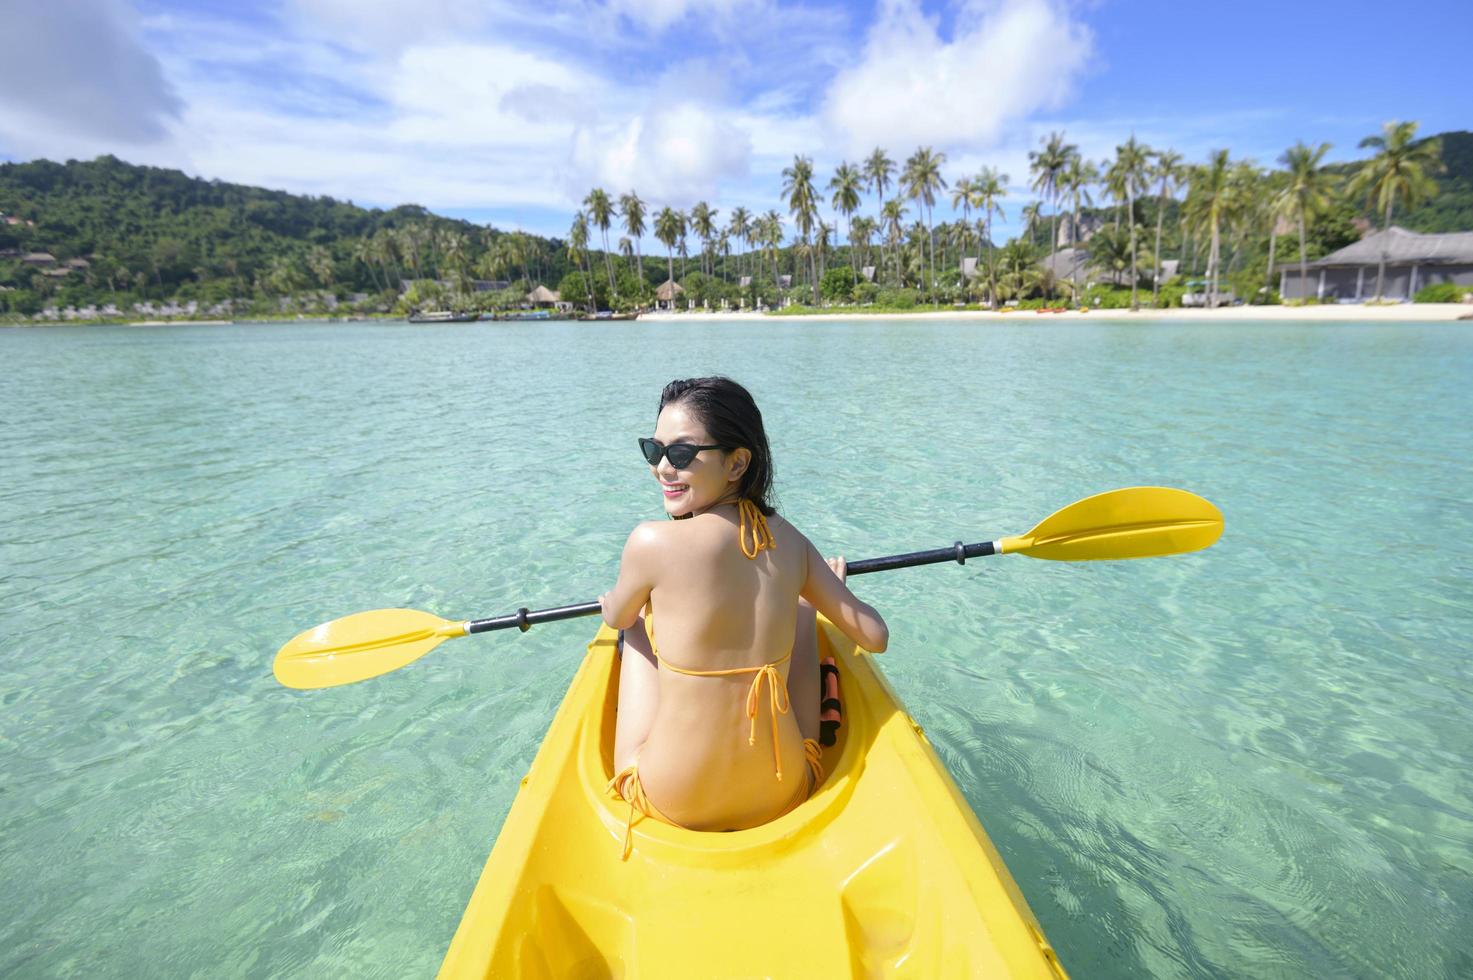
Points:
[(884, 872)]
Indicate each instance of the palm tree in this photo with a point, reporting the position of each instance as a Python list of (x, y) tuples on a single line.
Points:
[(1167, 170), (1132, 169), (861, 233), (877, 171), (683, 222), (963, 194), (406, 242), (1074, 182), (740, 228), (1032, 216), (578, 251), (1275, 208), (772, 239), (454, 245), (1113, 181), (821, 242), (1015, 267), (668, 229), (1401, 167), (803, 206), (634, 211), (914, 253), (363, 251), (892, 221), (319, 262), (922, 179), (387, 248), (1210, 206), (1249, 205), (1048, 167), (601, 213), (846, 184), (1110, 254), (987, 188), (1306, 194), (703, 223)]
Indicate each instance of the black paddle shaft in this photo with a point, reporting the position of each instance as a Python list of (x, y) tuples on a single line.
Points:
[(524, 619)]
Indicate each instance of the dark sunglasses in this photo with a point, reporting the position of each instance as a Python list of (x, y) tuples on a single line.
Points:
[(680, 454)]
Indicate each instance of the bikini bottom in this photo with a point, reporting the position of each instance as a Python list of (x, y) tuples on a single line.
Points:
[(627, 787)]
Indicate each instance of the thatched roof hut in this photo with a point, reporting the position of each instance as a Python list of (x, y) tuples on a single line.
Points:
[(668, 290), (542, 296)]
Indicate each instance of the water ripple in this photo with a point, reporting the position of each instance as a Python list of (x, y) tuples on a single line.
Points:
[(1251, 762)]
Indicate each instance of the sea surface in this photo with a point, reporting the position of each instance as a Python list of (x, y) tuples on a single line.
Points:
[(1250, 761)]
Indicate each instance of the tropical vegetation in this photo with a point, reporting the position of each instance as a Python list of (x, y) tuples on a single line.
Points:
[(1144, 226)]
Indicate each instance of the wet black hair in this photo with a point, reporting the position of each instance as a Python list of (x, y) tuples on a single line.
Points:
[(732, 421)]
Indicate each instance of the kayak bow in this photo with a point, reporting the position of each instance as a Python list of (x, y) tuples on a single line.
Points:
[(884, 871)]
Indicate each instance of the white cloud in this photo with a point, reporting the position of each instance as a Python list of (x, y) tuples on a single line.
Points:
[(76, 74), (473, 106), (1005, 59), (675, 153), (387, 25), (483, 95), (659, 14)]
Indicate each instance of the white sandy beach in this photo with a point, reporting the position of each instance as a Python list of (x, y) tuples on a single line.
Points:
[(1338, 313)]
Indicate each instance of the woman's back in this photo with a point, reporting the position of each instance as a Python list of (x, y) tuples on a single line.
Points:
[(705, 736), (719, 740), (715, 606)]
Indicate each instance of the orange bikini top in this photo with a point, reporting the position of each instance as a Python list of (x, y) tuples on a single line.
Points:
[(761, 540)]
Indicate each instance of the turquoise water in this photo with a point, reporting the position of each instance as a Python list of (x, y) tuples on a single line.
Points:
[(1252, 761)]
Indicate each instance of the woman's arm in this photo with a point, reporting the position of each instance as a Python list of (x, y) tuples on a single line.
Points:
[(826, 593), (622, 603)]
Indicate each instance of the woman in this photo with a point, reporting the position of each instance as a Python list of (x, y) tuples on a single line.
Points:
[(715, 636)]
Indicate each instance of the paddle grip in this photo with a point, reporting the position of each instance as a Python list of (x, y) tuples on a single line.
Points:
[(958, 553), (524, 619)]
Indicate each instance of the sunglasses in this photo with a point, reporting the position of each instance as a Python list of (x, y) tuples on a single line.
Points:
[(680, 454)]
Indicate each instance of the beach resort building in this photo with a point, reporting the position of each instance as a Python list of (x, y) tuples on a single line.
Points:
[(666, 293), (1413, 260), (541, 297)]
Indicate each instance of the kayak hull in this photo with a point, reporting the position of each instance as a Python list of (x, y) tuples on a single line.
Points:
[(884, 872)]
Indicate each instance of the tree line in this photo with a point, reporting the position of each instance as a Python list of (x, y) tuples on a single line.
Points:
[(1218, 218), (868, 233)]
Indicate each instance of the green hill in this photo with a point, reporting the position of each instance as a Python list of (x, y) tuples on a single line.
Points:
[(155, 234)]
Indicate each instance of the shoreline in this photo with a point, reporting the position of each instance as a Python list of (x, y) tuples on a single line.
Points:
[(1390, 312), (1420, 312)]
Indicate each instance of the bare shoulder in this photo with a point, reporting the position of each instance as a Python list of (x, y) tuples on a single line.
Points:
[(784, 530), (788, 535), (647, 532), (647, 538)]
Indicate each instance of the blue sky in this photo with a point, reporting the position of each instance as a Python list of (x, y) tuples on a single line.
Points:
[(506, 112)]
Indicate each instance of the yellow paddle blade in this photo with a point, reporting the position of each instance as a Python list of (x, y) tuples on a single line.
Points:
[(361, 646), (1136, 522)]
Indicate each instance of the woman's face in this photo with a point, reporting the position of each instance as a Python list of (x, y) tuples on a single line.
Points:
[(711, 476)]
